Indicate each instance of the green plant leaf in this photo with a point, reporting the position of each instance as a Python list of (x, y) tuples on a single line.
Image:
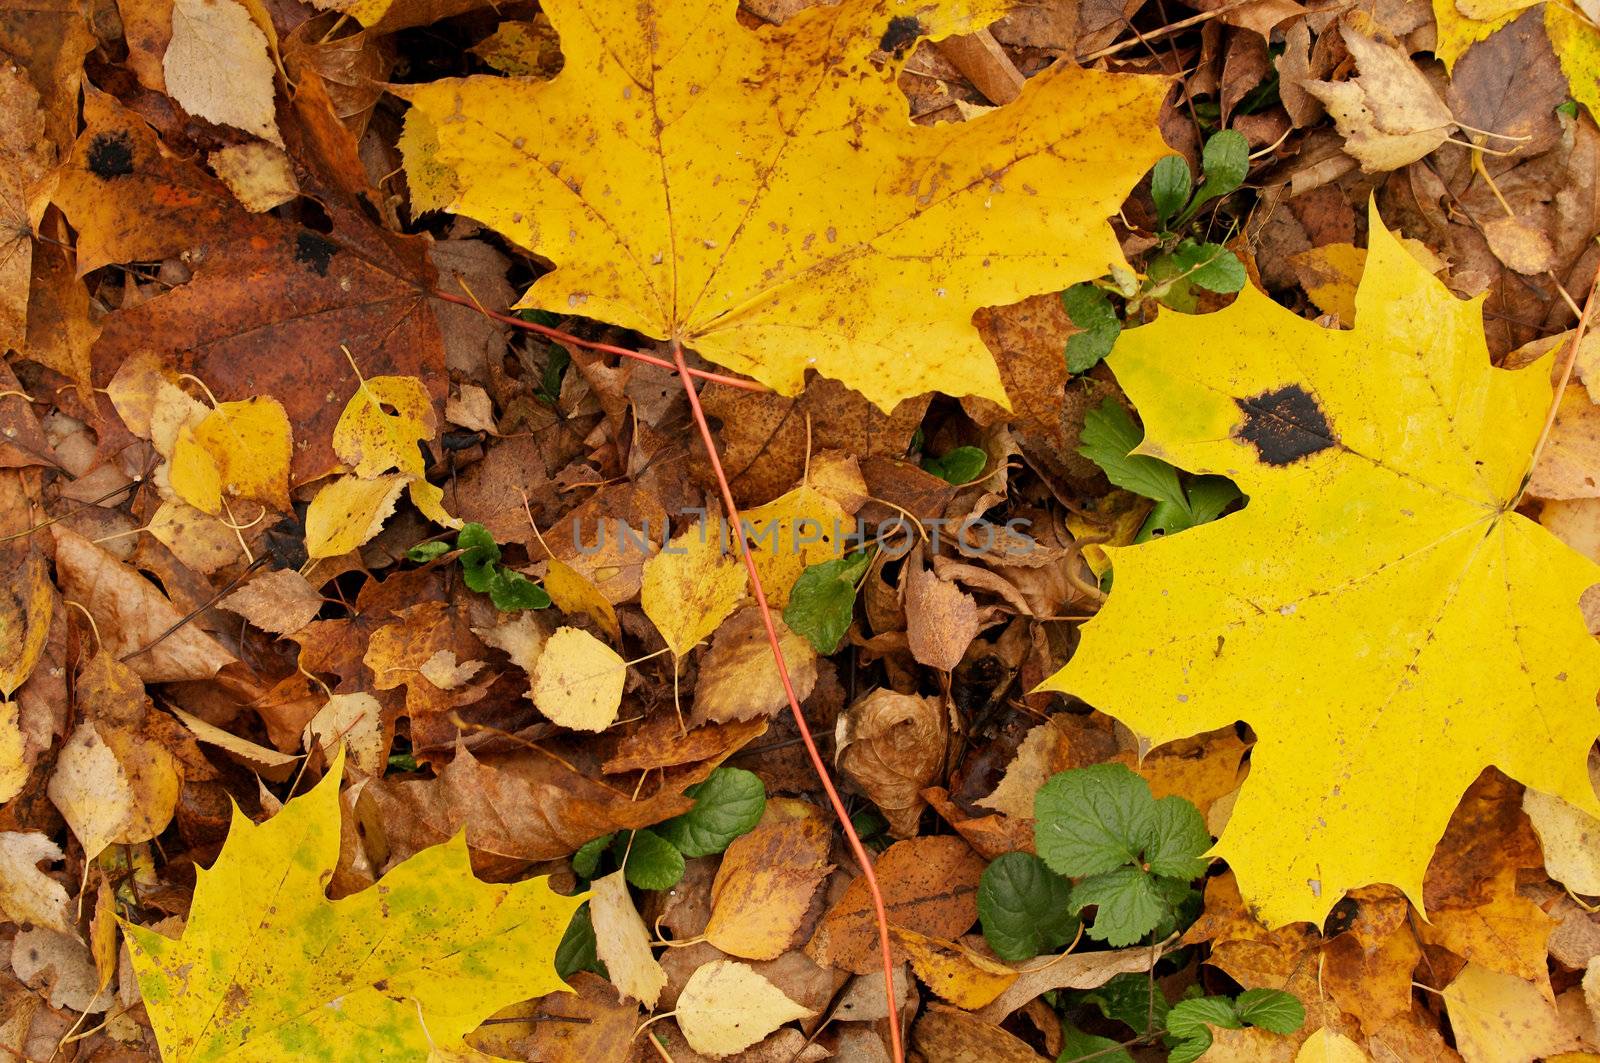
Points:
[(1024, 907), (1209, 496), (726, 805), (1109, 435), (577, 949), (424, 552), (586, 861), (654, 863), (1090, 309), (823, 601), (1190, 1049), (1271, 1009), (1178, 840), (1170, 185), (1225, 162), (1091, 820), (510, 591), (1211, 266), (477, 546), (960, 466), (1127, 902), (1133, 999), (1076, 1045), (1190, 1017)]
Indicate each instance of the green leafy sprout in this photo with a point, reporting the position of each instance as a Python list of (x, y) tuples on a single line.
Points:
[(482, 571)]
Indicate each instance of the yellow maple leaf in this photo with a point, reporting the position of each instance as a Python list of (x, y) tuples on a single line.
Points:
[(1378, 612), (692, 585), (763, 197), (269, 969)]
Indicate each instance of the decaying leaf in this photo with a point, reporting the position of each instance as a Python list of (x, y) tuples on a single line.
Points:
[(892, 746), (767, 879), (799, 274), (1375, 555), (622, 941), (28, 895), (217, 66), (739, 679), (1389, 115), (415, 961)]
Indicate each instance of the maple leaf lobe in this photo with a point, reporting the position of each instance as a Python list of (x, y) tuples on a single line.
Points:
[(1284, 425)]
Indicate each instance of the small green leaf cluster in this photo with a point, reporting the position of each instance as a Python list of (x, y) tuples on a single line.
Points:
[(1186, 263), (959, 466), (1182, 264), (728, 804), (1109, 439), (1185, 1027), (823, 600), (482, 571), (1133, 857)]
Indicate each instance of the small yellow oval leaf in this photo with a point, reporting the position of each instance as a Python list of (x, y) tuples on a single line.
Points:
[(692, 585), (348, 512), (578, 681), (727, 1006)]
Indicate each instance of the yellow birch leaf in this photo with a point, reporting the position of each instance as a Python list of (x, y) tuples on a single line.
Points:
[(1378, 612), (193, 473), (1576, 41), (429, 500), (14, 761), (1328, 1046), (1499, 1017), (763, 197), (416, 961), (692, 585), (573, 593), (726, 1007), (953, 971), (382, 424), (800, 528), (348, 512), (578, 681), (251, 444), (767, 879)]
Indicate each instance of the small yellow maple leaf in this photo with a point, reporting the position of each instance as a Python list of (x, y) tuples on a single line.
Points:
[(692, 585), (763, 197), (1378, 612), (269, 969)]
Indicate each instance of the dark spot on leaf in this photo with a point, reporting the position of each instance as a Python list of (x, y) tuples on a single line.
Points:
[(315, 251), (1342, 918), (110, 155), (1284, 425), (903, 31)]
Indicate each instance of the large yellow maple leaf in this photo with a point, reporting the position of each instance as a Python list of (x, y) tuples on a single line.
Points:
[(268, 969), (1377, 612), (764, 198)]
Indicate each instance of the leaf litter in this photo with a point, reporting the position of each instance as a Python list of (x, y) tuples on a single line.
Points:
[(1205, 677)]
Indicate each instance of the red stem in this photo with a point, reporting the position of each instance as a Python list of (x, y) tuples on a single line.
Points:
[(606, 348), (856, 848)]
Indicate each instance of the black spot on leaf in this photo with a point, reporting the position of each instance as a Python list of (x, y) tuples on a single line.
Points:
[(1342, 918), (315, 251), (110, 155), (1284, 425), (903, 31)]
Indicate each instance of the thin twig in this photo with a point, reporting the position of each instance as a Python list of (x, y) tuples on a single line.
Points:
[(1561, 388), (856, 848)]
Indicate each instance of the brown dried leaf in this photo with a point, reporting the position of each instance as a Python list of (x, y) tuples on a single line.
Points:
[(764, 887), (739, 679), (891, 746)]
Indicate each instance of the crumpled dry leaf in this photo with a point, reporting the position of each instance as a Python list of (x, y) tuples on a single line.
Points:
[(279, 601), (941, 618), (130, 614), (739, 679), (28, 895), (1389, 115), (1068, 971), (891, 746)]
